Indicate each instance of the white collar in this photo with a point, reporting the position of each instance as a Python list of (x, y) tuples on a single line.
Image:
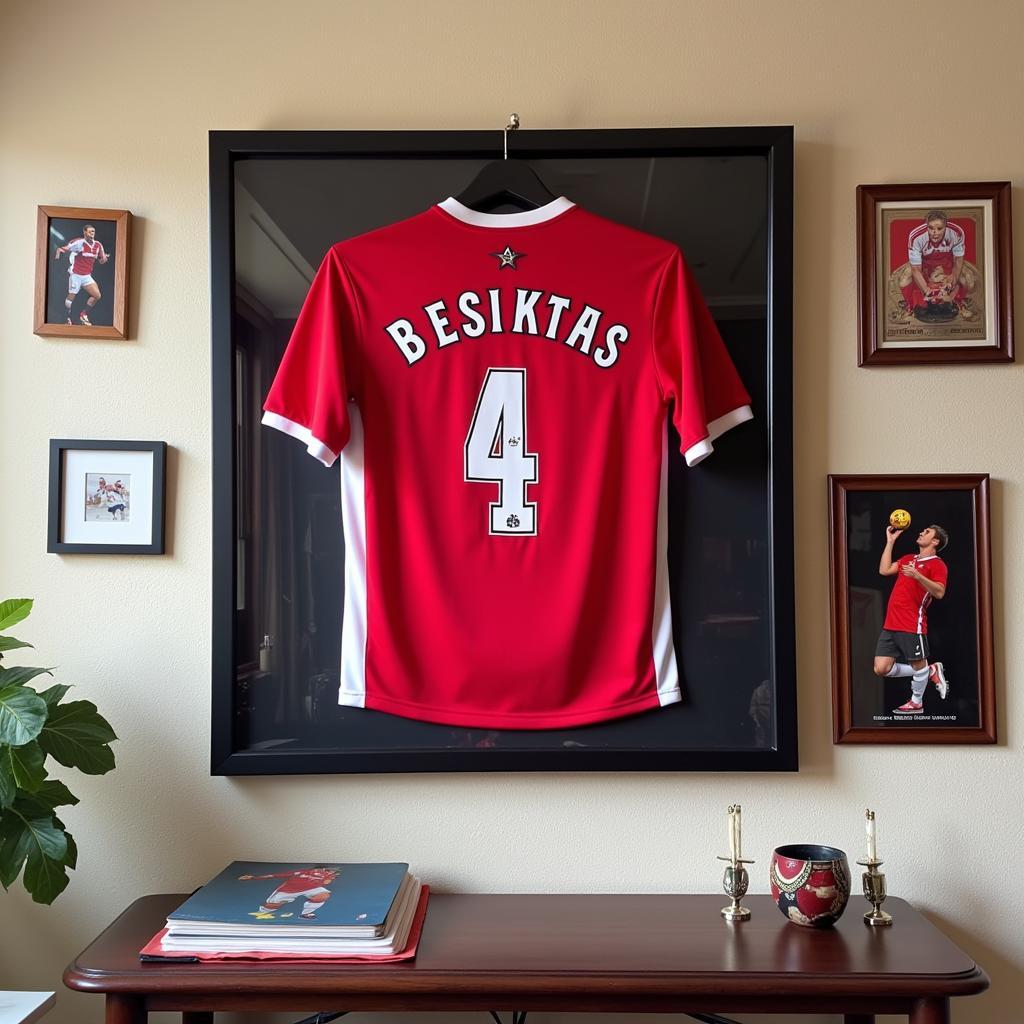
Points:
[(506, 220)]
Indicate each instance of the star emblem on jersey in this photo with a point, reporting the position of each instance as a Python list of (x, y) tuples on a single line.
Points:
[(507, 257)]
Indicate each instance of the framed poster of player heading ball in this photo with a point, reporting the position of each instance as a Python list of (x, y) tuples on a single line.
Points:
[(912, 658), (82, 258), (547, 521)]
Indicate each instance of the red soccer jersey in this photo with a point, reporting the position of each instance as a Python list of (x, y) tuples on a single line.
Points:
[(499, 385), (303, 879), (908, 602), (83, 255)]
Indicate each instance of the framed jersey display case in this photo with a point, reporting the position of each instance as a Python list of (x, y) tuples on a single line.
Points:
[(502, 486)]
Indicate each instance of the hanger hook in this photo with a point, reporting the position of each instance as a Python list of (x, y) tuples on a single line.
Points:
[(513, 124)]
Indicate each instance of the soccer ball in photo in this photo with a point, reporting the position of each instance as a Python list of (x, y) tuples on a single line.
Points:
[(900, 518)]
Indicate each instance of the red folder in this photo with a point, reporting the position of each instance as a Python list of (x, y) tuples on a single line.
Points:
[(154, 951)]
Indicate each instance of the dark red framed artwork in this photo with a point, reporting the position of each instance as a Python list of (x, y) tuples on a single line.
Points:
[(934, 273), (870, 689)]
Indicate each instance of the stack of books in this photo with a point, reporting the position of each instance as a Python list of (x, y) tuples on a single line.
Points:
[(297, 911)]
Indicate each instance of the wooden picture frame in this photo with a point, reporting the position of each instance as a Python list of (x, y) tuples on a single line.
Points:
[(84, 516), (107, 287), (279, 200), (957, 628), (934, 274)]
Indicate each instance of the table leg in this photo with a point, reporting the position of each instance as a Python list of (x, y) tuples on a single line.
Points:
[(123, 1009), (197, 1017), (930, 1011)]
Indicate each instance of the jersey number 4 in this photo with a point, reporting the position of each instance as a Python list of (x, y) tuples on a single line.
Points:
[(496, 451)]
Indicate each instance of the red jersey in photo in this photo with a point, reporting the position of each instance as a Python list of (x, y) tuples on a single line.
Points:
[(303, 880), (908, 602), (83, 255), (924, 253)]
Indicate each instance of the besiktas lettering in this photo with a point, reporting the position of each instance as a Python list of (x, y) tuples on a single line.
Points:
[(577, 330)]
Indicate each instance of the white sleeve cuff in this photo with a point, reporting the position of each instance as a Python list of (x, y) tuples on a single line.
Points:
[(716, 428), (314, 445)]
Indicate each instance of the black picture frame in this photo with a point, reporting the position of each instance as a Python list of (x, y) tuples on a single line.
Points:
[(55, 540), (773, 144)]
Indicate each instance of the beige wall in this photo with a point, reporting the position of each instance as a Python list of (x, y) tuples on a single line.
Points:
[(108, 104)]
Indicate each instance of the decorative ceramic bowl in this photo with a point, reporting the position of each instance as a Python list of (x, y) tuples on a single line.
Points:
[(810, 884)]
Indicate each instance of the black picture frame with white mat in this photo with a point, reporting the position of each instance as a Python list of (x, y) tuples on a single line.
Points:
[(106, 497)]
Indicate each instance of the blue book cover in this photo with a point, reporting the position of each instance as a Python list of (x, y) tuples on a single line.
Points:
[(258, 896)]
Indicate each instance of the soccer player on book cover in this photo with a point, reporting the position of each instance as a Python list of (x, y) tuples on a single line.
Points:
[(902, 648), (310, 883), (83, 253)]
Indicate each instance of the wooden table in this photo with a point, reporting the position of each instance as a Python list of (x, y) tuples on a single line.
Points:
[(587, 953)]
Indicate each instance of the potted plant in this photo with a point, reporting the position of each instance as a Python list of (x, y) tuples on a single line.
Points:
[(35, 725)]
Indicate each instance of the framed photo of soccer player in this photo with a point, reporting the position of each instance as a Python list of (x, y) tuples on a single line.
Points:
[(935, 274), (82, 272), (911, 576), (106, 497)]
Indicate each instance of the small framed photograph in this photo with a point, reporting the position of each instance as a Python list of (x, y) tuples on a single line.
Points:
[(935, 273), (911, 574), (106, 497), (82, 272)]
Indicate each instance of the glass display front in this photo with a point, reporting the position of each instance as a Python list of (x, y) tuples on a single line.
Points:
[(289, 551)]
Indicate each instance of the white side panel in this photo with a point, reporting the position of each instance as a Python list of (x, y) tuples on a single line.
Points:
[(353, 513), (665, 670)]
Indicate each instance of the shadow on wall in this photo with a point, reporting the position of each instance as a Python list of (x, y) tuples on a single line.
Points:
[(815, 354)]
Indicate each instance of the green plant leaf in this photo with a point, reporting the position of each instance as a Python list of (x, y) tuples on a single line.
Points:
[(41, 804), (45, 877), (34, 842), (56, 794), (8, 643), (45, 838), (12, 612), (26, 765), (77, 736), (19, 675), (14, 843), (55, 694), (8, 787), (71, 857), (42, 847), (22, 712)]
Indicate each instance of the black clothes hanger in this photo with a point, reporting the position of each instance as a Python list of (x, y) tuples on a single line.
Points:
[(505, 183)]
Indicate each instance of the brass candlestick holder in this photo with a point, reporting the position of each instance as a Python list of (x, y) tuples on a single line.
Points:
[(874, 893), (735, 882)]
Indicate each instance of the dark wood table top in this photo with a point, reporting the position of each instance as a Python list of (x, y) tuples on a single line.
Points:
[(568, 949)]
